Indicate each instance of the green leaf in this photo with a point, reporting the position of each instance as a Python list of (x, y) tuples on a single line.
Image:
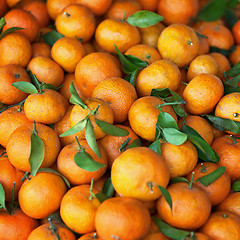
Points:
[(212, 11), (26, 87), (156, 146), (224, 124), (128, 66), (211, 177), (234, 71), (34, 79), (233, 82), (225, 52), (236, 186), (166, 195), (101, 197), (108, 188), (228, 89), (135, 143), (36, 153), (232, 3), (50, 170), (230, 18), (165, 120), (48, 86), (160, 92), (51, 37), (111, 129), (86, 162), (174, 136), (75, 98), (178, 179), (91, 140), (205, 152), (137, 61), (171, 232), (76, 128), (2, 197), (133, 77), (9, 30), (144, 19), (2, 24)]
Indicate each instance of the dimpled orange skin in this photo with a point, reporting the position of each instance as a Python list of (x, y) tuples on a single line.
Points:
[(17, 225), (122, 34), (48, 107), (190, 207), (20, 142), (178, 43), (123, 217), (202, 94), (10, 74), (143, 115), (15, 48), (229, 107), (94, 68), (134, 169), (105, 114), (160, 74), (67, 167), (78, 211), (119, 94), (42, 195)]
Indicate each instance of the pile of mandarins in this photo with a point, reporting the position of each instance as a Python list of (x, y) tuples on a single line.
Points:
[(119, 120)]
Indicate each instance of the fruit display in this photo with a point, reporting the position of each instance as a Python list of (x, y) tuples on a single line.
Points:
[(119, 119)]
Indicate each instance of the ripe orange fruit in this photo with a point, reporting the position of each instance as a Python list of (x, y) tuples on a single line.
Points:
[(231, 203), (15, 48), (222, 225), (68, 168), (191, 207), (141, 184), (144, 52), (41, 195), (218, 190), (4, 7), (104, 113), (143, 116), (119, 94), (78, 209), (202, 64), (64, 90), (47, 107), (202, 93), (62, 126), (46, 70), (234, 57), (150, 35), (223, 64), (150, 5), (218, 36), (160, 74), (113, 219), (76, 20), (55, 7), (180, 159), (228, 150), (88, 236), (10, 74), (23, 19), (10, 120), (45, 232), (199, 124), (17, 225), (67, 52), (20, 142), (98, 7), (201, 236), (228, 107), (122, 8), (94, 68), (122, 34), (178, 43), (112, 144), (41, 49), (175, 11), (203, 46), (39, 10), (9, 175), (89, 48)]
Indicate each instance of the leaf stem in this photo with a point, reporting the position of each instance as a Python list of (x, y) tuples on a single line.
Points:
[(80, 147), (13, 196), (9, 106), (192, 181), (92, 195), (34, 128), (124, 145), (53, 228)]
